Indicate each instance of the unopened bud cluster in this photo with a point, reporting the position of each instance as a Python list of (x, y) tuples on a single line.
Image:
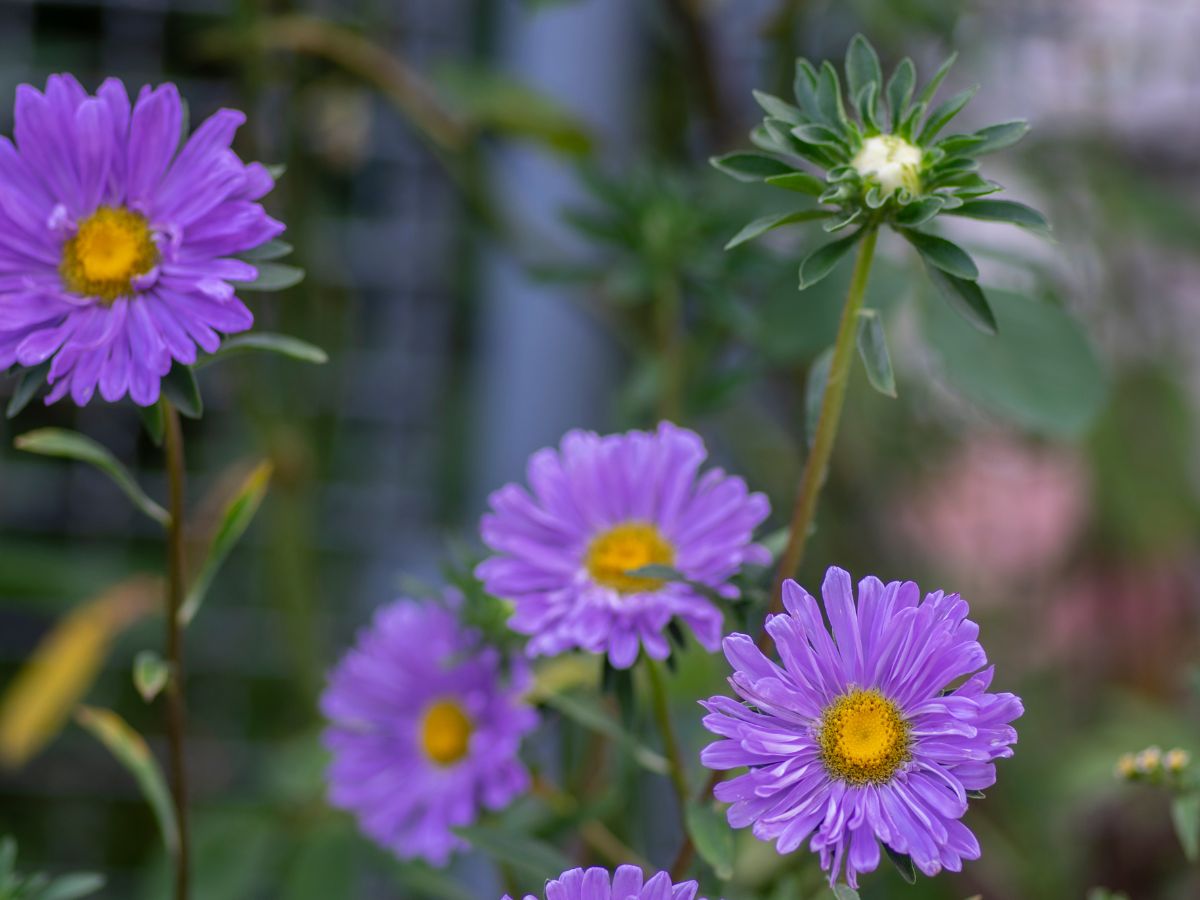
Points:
[(1154, 766)]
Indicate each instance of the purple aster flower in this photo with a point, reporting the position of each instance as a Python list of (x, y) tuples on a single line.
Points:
[(626, 884), (858, 737), (117, 240), (424, 731), (601, 508)]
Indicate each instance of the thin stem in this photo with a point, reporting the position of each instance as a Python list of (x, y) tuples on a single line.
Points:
[(176, 708), (815, 468), (662, 714)]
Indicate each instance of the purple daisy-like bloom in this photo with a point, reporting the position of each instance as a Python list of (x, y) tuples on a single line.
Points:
[(602, 507), (117, 239), (857, 737), (626, 883), (424, 729)]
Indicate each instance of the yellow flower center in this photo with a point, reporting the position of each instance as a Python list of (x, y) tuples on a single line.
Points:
[(624, 548), (111, 248), (445, 732), (864, 739)]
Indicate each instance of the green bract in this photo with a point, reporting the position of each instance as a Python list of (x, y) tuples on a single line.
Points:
[(881, 159)]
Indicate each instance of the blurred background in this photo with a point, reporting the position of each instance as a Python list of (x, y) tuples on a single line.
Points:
[(510, 229)]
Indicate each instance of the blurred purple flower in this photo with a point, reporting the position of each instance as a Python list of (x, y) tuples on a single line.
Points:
[(424, 730), (602, 507), (116, 240), (626, 884), (857, 737)]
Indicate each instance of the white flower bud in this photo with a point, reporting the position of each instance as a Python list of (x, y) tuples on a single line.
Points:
[(891, 161)]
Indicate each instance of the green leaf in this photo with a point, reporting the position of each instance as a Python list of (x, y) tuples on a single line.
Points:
[(72, 445), (997, 137), (946, 255), (966, 298), (750, 166), (72, 887), (900, 90), (903, 863), (844, 892), (872, 347), (920, 212), (180, 389), (800, 182), (779, 109), (235, 519), (150, 674), (276, 170), (821, 136), (712, 837), (153, 421), (1038, 371), (1185, 814), (272, 277), (829, 97), (944, 112), (131, 751), (583, 711), (1004, 211), (814, 394), (824, 259), (938, 77), (524, 854), (28, 385), (767, 223), (283, 344), (862, 65), (270, 250)]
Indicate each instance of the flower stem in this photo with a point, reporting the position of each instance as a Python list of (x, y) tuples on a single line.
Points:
[(176, 709), (662, 714), (815, 468)]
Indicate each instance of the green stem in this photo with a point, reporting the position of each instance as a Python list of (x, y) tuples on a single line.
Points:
[(662, 714), (816, 467), (176, 708)]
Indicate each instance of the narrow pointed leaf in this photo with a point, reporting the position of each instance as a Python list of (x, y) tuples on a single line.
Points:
[(862, 65), (584, 711), (712, 837), (944, 112), (767, 223), (920, 212), (800, 182), (867, 103), (804, 85), (1185, 814), (180, 388), (131, 751), (903, 863), (153, 421), (814, 394), (268, 251), (900, 90), (779, 109), (872, 347), (829, 97), (823, 260), (946, 255), (28, 385), (1004, 211), (750, 166), (821, 135), (150, 674), (235, 519), (282, 344), (997, 137), (72, 445), (966, 298), (272, 277), (938, 77), (276, 170), (844, 221)]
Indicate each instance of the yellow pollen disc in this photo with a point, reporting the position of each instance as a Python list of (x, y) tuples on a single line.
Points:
[(626, 547), (445, 732), (864, 739), (111, 248)]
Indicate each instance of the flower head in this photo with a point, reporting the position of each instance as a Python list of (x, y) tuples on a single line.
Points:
[(117, 240), (626, 883), (424, 730), (858, 736), (600, 509), (875, 155)]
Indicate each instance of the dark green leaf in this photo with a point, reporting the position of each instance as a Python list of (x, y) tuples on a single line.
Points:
[(997, 137), (821, 135), (28, 385), (750, 166), (946, 255), (938, 77), (872, 347), (150, 674), (801, 182), (779, 109), (920, 212), (903, 863), (866, 102), (843, 221), (1185, 814), (72, 445), (814, 394), (829, 97), (272, 277), (283, 344), (804, 86), (1039, 369), (900, 90), (944, 112), (823, 260), (767, 223), (270, 250), (1004, 211), (862, 66), (153, 421), (536, 860), (966, 298), (180, 388), (712, 837)]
